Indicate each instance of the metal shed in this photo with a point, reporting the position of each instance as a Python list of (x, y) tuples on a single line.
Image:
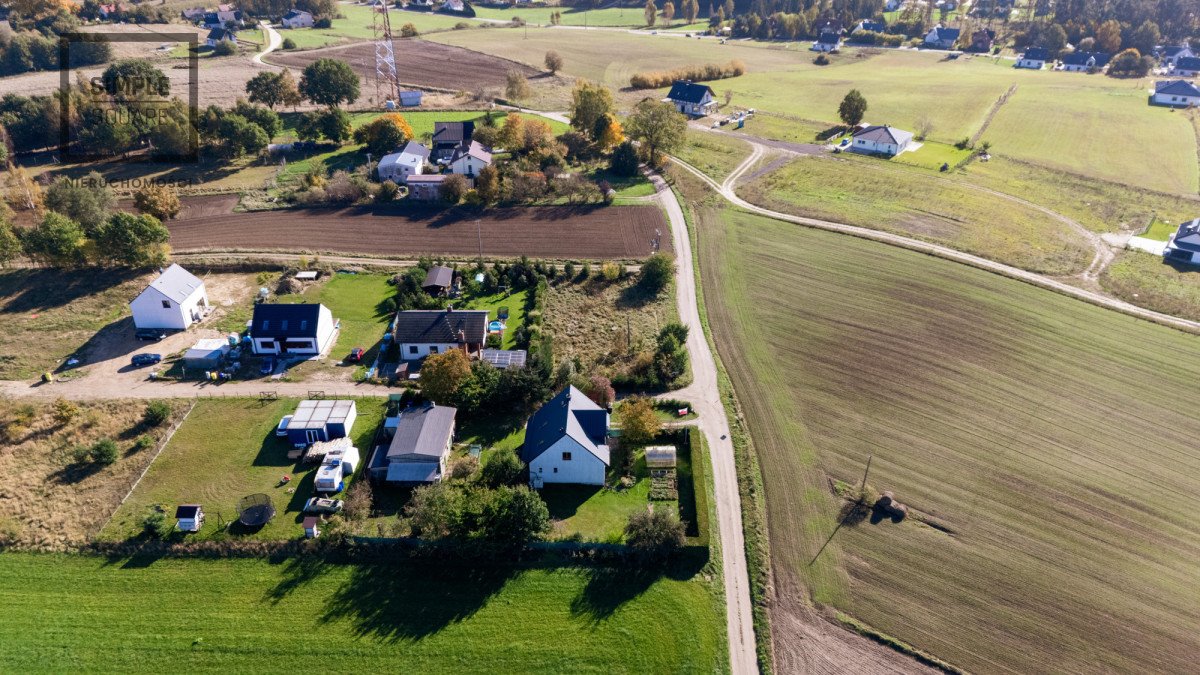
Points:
[(410, 98), (206, 354)]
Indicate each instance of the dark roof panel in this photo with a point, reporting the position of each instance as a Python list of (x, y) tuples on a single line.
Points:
[(441, 326), (689, 92), (278, 320)]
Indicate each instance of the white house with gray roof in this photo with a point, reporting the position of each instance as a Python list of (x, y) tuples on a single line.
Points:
[(398, 166), (419, 447), (469, 159), (1184, 245), (879, 139), (1176, 93), (421, 332), (566, 441), (174, 301)]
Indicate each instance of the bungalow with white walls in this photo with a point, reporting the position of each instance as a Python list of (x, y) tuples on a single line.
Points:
[(398, 166), (880, 140), (175, 300), (297, 18), (1176, 93), (421, 332)]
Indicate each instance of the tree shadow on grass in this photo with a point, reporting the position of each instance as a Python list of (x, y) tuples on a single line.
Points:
[(406, 602), (610, 588), (297, 573), (76, 472)]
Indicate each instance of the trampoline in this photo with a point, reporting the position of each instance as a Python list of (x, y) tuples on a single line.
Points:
[(255, 510)]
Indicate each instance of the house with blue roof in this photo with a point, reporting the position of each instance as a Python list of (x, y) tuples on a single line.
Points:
[(1085, 62), (1176, 93), (1184, 245), (827, 41), (692, 98), (300, 330), (941, 37), (1034, 58), (566, 441), (1188, 66)]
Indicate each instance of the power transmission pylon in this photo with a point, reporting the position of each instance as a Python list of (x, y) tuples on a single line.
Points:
[(387, 83)]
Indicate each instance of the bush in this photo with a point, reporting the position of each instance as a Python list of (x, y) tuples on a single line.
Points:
[(453, 189), (408, 30), (323, 22), (695, 73), (64, 411), (225, 48), (359, 499), (656, 273), (104, 451), (143, 442), (503, 467), (156, 413), (624, 160), (821, 60), (289, 43), (156, 524), (387, 191), (611, 271), (464, 468), (653, 537)]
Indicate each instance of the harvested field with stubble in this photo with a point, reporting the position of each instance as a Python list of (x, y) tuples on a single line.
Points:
[(1046, 448), (53, 501), (441, 66), (556, 232)]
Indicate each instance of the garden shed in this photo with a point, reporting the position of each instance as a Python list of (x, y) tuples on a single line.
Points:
[(206, 354), (321, 420), (189, 517)]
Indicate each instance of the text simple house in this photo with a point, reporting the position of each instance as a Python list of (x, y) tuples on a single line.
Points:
[(1176, 93), (421, 332), (941, 37), (175, 300), (297, 18), (419, 447), (1085, 62), (304, 330), (398, 166), (1034, 58), (469, 158), (566, 441), (321, 420), (880, 140), (691, 98)]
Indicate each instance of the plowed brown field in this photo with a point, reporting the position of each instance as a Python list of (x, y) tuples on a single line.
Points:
[(560, 232), (440, 65)]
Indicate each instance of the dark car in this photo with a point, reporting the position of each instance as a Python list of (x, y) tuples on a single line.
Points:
[(140, 360), (356, 355), (154, 334)]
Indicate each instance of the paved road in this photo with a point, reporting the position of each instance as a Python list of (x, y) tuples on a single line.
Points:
[(726, 190), (273, 42), (705, 397)]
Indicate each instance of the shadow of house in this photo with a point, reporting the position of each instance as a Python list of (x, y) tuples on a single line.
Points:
[(39, 290), (113, 341), (563, 501)]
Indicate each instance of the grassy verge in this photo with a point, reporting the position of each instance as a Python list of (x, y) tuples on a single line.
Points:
[(1145, 280), (713, 153)]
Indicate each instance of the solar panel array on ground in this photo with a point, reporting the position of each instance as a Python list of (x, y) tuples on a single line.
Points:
[(505, 358)]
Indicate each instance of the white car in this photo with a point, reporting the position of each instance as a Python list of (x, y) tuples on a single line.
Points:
[(281, 430), (323, 505)]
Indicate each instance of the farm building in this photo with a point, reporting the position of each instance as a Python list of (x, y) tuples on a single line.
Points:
[(690, 98), (941, 37), (447, 136), (189, 517), (425, 187), (419, 446), (421, 332), (297, 18), (880, 140), (827, 42), (206, 354), (1171, 54), (1189, 66), (304, 329), (1034, 58), (1176, 93), (469, 158), (175, 300), (504, 358), (1184, 245), (566, 441), (1085, 62), (218, 35), (398, 166), (439, 279), (321, 420), (412, 98)]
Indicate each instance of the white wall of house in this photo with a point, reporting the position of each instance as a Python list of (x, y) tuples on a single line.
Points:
[(825, 46), (467, 165), (306, 345), (1032, 64), (583, 468), (875, 147), (1181, 72), (707, 105), (152, 309), (1176, 100), (301, 21), (411, 351), (398, 172)]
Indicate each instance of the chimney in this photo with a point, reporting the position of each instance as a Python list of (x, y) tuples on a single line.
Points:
[(449, 308)]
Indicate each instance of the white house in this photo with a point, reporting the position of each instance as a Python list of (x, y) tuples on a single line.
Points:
[(398, 166), (827, 41), (453, 6), (1085, 62), (691, 98), (1188, 66), (305, 330), (1184, 245), (421, 332), (469, 158), (175, 300), (1034, 58), (189, 517), (297, 18), (880, 140), (566, 441), (425, 187), (1171, 54), (218, 35), (1176, 93), (941, 37)]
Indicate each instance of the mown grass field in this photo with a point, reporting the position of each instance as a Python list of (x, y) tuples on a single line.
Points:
[(253, 616), (1045, 447), (571, 16), (356, 25), (880, 195), (1147, 281), (358, 302), (226, 450), (714, 154)]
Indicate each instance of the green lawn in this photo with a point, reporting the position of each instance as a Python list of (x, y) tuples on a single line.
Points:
[(356, 300), (225, 450), (1160, 230), (1044, 445), (878, 194), (932, 155), (357, 26), (1144, 279), (713, 153), (515, 302), (608, 16), (79, 614)]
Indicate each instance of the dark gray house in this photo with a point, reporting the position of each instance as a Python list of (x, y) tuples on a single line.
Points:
[(419, 447), (438, 280), (421, 332), (447, 136)]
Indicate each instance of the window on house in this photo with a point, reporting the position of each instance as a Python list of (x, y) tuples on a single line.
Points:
[(433, 350), (166, 304), (303, 325), (266, 324), (283, 325), (556, 469), (566, 456), (412, 349)]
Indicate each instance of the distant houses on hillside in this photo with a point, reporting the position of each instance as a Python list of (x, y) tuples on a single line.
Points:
[(1034, 58)]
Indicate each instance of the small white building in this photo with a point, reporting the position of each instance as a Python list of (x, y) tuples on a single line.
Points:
[(470, 158), (425, 187), (880, 140), (566, 441), (1034, 58), (398, 166), (1176, 93), (303, 330), (1184, 245), (297, 18), (827, 41), (691, 98), (189, 517), (175, 300)]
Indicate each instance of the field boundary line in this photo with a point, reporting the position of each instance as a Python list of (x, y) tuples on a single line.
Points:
[(162, 446), (987, 121)]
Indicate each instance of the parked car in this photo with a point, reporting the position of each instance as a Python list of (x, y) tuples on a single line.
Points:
[(267, 367), (356, 355), (140, 360), (323, 505), (281, 430), (153, 334)]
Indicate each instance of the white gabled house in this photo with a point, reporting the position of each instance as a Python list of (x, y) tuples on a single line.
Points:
[(1176, 93), (469, 158), (398, 166), (219, 35), (1171, 54), (827, 41), (421, 332), (566, 441), (175, 300), (297, 18), (1034, 58), (1184, 245), (691, 98), (1188, 66), (880, 140), (302, 330)]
